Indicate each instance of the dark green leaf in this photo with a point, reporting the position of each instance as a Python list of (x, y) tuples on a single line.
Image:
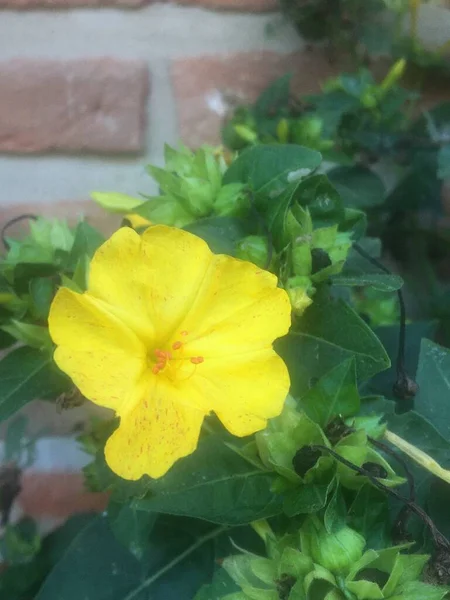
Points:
[(221, 585), (329, 333), (131, 527), (380, 281), (420, 188), (433, 378), (27, 374), (382, 382), (369, 515), (274, 98), (87, 240), (335, 394), (358, 186), (98, 567), (42, 291), (335, 516), (214, 484), (220, 233), (269, 169), (444, 162), (306, 499)]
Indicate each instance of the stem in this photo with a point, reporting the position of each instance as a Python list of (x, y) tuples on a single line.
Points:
[(439, 539), (206, 538), (399, 459), (418, 456), (12, 222)]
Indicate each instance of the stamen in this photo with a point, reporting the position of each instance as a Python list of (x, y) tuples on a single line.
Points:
[(156, 369), (197, 360), (176, 345)]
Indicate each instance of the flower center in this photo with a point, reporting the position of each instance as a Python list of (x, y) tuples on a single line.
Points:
[(174, 358)]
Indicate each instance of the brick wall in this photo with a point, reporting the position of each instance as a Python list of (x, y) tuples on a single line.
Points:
[(90, 90)]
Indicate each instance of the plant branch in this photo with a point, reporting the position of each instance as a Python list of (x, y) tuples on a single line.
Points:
[(405, 387), (439, 539), (150, 580)]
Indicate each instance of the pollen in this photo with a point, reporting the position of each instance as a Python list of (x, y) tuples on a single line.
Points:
[(197, 360), (184, 333), (176, 345)]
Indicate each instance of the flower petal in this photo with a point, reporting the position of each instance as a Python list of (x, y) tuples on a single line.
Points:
[(105, 359), (244, 391), (239, 309), (150, 282), (157, 433)]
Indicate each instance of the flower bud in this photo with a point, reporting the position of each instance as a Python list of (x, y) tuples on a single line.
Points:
[(297, 289), (336, 552), (255, 249)]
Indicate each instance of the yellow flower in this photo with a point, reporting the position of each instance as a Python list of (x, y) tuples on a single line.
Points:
[(166, 333)]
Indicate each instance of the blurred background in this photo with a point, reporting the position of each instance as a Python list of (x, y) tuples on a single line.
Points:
[(91, 90)]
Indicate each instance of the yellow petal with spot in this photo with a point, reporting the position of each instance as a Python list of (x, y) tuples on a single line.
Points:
[(150, 281), (157, 433), (243, 391), (104, 358), (239, 309)]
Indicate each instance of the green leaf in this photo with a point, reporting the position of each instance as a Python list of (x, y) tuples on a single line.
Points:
[(379, 281), (335, 516), (274, 98), (308, 498), (42, 291), (220, 233), (444, 162), (214, 484), (116, 202), (358, 186), (433, 378), (87, 240), (25, 375), (221, 584), (369, 515), (269, 169), (335, 394), (388, 335), (329, 333), (131, 527), (97, 567)]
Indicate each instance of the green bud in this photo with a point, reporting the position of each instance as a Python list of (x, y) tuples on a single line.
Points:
[(336, 552), (255, 249), (297, 289), (283, 131), (301, 259), (369, 99), (394, 74)]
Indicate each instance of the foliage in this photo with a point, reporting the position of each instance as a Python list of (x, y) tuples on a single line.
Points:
[(366, 30), (315, 506)]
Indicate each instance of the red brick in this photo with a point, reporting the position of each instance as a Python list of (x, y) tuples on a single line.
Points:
[(96, 105), (235, 5), (57, 495), (200, 83)]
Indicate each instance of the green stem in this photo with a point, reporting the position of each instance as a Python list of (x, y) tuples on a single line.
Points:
[(418, 456), (206, 538)]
